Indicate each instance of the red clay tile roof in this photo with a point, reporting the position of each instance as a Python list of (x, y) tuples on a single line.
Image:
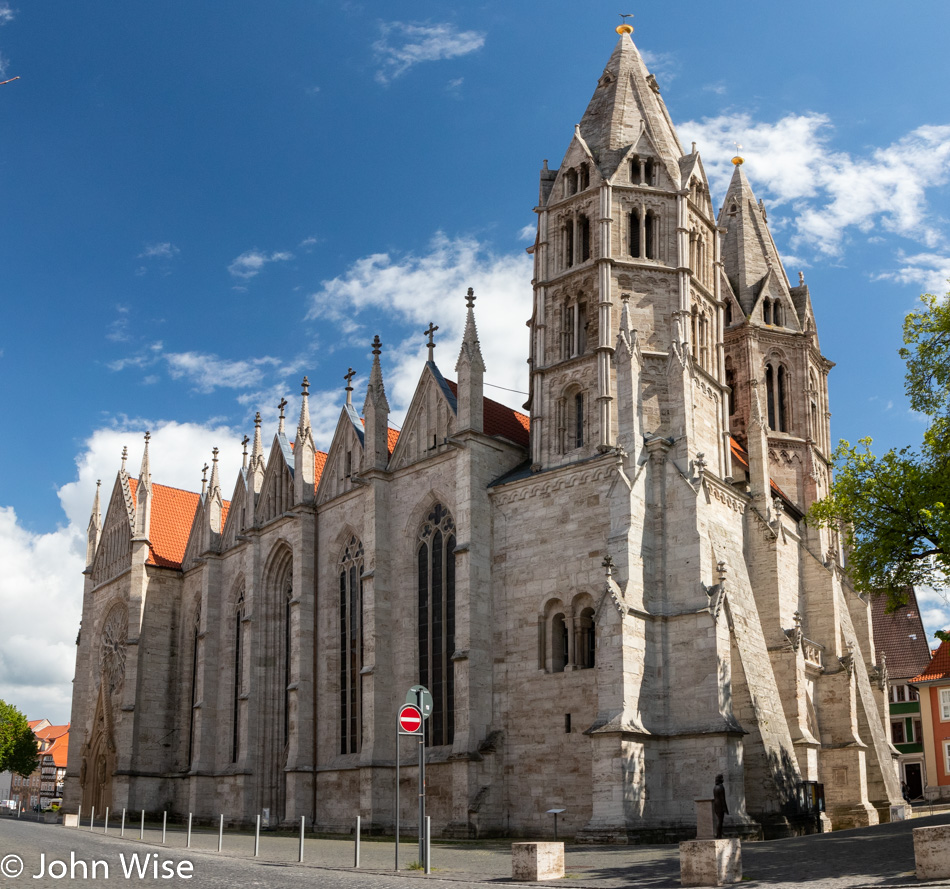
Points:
[(501, 420), (173, 512), (393, 438), (938, 668), (319, 464), (51, 731), (33, 723), (900, 635), (741, 456), (59, 750)]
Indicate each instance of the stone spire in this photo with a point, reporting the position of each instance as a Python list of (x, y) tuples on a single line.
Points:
[(143, 496), (280, 419), (470, 368), (215, 481), (94, 530), (215, 501), (376, 415), (304, 451), (257, 448), (625, 105)]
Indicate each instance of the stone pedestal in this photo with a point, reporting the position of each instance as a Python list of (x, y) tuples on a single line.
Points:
[(70, 821), (901, 812), (537, 861), (710, 862), (932, 852)]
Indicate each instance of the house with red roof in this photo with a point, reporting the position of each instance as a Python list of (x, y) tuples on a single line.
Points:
[(933, 687), (901, 646), (611, 598), (47, 781)]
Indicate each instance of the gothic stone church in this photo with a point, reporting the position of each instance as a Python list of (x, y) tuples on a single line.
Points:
[(611, 600)]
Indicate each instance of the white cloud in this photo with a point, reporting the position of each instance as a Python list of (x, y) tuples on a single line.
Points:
[(207, 372), (834, 193), (403, 45), (929, 271), (662, 65), (6, 13), (252, 262), (528, 233), (164, 250), (413, 290)]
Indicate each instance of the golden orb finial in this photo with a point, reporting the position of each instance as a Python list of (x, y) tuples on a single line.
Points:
[(625, 28), (737, 160)]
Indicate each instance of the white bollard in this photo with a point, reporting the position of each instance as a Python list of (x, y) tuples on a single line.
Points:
[(92, 817), (105, 826), (221, 832), (356, 851), (122, 829), (78, 814), (188, 840), (257, 836), (164, 825), (428, 848), (142, 826), (303, 819)]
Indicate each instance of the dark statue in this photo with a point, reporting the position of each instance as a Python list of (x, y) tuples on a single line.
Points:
[(720, 808)]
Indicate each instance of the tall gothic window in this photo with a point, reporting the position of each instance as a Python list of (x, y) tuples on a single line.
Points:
[(583, 179), (634, 222), (238, 679), (351, 646), (649, 235), (436, 561), (196, 635), (775, 395), (569, 243), (288, 595), (579, 420), (586, 638), (731, 383), (583, 235)]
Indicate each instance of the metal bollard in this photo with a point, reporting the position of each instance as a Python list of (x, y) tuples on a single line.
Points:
[(164, 825), (356, 850), (188, 840), (92, 817), (429, 843), (303, 819), (105, 826), (142, 826), (78, 815), (122, 829), (221, 833), (257, 836)]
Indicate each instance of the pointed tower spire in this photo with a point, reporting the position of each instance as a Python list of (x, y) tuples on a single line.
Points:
[(143, 496), (94, 530), (215, 482), (303, 426), (257, 448), (376, 415), (470, 368), (304, 450), (215, 502)]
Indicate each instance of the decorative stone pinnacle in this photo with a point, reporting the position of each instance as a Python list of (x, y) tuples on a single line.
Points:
[(257, 419), (797, 617), (98, 482), (608, 565), (348, 376), (244, 444), (306, 386), (625, 297), (470, 296), (801, 278), (204, 474), (430, 345), (377, 345), (125, 456), (700, 464), (282, 405), (214, 455), (148, 436)]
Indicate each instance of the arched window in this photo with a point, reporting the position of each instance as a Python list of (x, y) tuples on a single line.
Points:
[(583, 179), (649, 235), (238, 684), (559, 643), (288, 595), (570, 183), (585, 645), (351, 646), (775, 385), (780, 400), (579, 420), (649, 172), (778, 314), (436, 562), (196, 636), (568, 328), (731, 383), (634, 223), (767, 311), (583, 234), (635, 171), (727, 312), (569, 243)]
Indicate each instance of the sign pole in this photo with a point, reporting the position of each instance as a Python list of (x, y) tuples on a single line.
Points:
[(422, 798), (398, 739)]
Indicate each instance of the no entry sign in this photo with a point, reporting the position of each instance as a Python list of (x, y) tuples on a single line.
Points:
[(410, 720)]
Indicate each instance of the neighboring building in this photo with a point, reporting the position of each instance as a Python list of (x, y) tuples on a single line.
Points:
[(609, 609), (933, 684), (6, 782), (47, 780), (899, 636)]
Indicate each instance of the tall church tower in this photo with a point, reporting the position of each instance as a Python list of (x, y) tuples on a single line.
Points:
[(625, 218)]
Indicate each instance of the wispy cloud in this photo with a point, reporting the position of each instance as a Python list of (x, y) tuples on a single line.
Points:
[(835, 194), (930, 271), (405, 44), (252, 262), (662, 65), (6, 13), (207, 372), (164, 250), (414, 289)]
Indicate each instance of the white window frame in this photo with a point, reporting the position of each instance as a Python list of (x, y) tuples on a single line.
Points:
[(946, 757), (945, 704)]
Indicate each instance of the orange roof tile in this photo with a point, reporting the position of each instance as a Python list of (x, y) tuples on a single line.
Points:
[(51, 731), (393, 438), (173, 512), (60, 751), (501, 420), (319, 464), (901, 636), (939, 667), (741, 456)]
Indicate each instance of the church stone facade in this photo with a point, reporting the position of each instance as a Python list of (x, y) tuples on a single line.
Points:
[(612, 599)]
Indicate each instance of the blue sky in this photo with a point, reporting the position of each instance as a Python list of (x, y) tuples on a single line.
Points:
[(203, 202)]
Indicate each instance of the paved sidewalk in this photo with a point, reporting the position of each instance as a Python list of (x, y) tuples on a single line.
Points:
[(881, 856)]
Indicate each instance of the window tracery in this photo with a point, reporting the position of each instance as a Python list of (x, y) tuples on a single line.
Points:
[(351, 645)]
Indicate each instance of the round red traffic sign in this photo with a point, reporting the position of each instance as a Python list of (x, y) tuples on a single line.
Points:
[(410, 718)]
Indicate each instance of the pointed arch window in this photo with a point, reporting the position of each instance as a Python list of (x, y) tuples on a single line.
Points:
[(568, 231), (570, 182), (634, 227), (778, 314), (193, 716), (436, 576), (649, 235), (649, 171), (351, 646), (767, 311), (579, 420), (583, 178), (775, 386), (238, 683), (288, 596), (583, 237)]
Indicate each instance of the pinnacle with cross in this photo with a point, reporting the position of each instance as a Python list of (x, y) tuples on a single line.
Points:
[(305, 385), (430, 332), (377, 345), (148, 436), (608, 564), (348, 376), (204, 474), (125, 456), (470, 298), (282, 405), (244, 442), (214, 455)]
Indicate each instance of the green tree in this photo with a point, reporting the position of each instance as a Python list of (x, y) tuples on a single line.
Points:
[(18, 750), (893, 509)]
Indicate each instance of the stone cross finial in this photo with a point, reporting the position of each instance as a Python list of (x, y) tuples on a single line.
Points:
[(305, 386), (98, 482), (797, 617), (625, 297), (125, 456), (470, 296), (257, 419), (204, 478), (608, 565), (700, 465), (430, 332), (348, 376), (148, 436), (282, 405), (377, 345), (244, 442), (214, 455)]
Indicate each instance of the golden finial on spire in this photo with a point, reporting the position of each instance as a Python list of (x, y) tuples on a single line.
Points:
[(737, 160), (625, 28)]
